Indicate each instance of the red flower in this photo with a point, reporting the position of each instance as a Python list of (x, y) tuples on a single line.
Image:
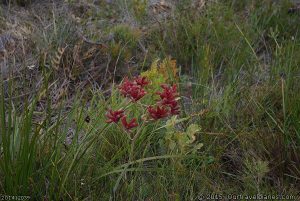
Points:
[(168, 98), (132, 90), (114, 116), (169, 92), (141, 81), (158, 113), (174, 108), (129, 125), (168, 101), (136, 92), (125, 86)]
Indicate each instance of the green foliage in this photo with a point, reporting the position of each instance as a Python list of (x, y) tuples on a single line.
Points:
[(18, 142), (35, 152), (255, 171), (154, 76), (124, 34), (139, 8), (181, 142), (124, 43)]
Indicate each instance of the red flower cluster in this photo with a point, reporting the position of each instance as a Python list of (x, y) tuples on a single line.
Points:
[(114, 116), (129, 125), (168, 98), (133, 89), (168, 105), (158, 113), (141, 81)]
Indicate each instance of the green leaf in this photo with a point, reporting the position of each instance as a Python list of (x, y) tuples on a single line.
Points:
[(172, 145), (198, 146), (191, 132)]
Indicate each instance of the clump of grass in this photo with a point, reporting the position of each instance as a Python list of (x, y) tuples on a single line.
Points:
[(18, 146), (229, 56), (139, 9)]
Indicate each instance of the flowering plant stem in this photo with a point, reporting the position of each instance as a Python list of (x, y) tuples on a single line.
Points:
[(130, 159), (79, 155), (133, 140)]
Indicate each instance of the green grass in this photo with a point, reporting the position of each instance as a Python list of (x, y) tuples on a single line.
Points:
[(239, 85)]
